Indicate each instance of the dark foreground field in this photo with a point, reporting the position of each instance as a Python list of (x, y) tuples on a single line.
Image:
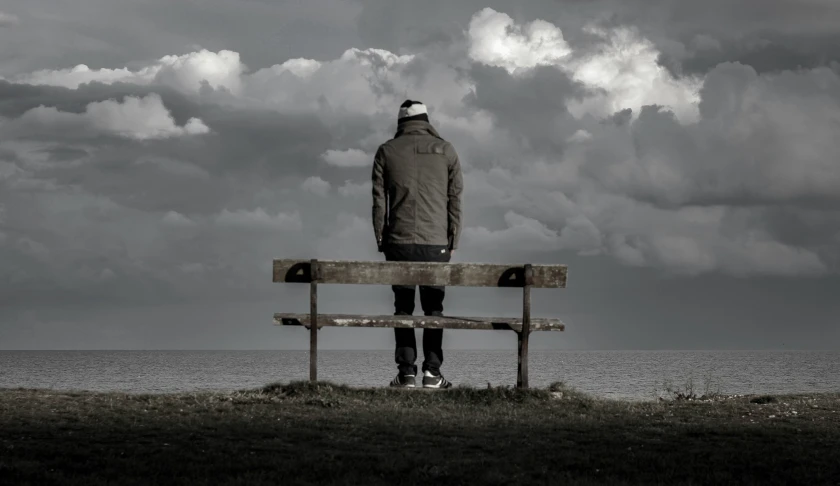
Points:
[(325, 434)]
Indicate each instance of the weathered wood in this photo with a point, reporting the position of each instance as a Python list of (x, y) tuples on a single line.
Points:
[(425, 322), (313, 316), (419, 273)]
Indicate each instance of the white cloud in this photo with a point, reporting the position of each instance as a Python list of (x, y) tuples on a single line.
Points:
[(299, 67), (221, 69), (348, 158), (496, 40), (351, 84), (626, 71), (186, 72), (81, 74), (136, 118), (316, 186), (622, 72), (361, 82)]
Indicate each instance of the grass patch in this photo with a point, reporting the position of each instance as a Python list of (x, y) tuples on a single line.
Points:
[(322, 433), (691, 391)]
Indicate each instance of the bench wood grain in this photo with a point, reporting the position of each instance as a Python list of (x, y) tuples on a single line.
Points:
[(419, 273), (424, 322)]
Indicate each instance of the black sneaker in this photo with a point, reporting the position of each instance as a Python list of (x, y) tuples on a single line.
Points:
[(435, 381), (403, 381)]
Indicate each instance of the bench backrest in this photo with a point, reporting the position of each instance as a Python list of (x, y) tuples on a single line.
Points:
[(419, 273)]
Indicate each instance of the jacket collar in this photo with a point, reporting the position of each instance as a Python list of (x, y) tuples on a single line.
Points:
[(416, 126)]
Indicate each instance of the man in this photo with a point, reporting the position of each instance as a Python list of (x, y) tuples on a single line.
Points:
[(417, 187)]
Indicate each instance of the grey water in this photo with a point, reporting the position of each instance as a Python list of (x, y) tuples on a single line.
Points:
[(635, 375)]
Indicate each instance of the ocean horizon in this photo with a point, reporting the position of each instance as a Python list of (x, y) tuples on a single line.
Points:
[(617, 374)]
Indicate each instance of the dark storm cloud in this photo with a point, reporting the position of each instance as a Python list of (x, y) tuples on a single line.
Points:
[(260, 145), (533, 106), (764, 52), (181, 206)]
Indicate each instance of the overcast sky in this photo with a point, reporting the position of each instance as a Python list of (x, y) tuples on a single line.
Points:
[(680, 157)]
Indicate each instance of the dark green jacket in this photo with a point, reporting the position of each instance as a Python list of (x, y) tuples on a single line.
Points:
[(417, 188)]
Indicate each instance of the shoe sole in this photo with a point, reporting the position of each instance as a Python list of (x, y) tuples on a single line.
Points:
[(434, 387)]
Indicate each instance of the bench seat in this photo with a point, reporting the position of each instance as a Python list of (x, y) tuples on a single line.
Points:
[(431, 322)]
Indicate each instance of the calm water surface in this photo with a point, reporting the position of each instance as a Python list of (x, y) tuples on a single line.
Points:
[(612, 374)]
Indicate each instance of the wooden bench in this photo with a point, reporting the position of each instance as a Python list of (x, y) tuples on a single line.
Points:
[(316, 272)]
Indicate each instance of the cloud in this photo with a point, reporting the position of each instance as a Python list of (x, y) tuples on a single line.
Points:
[(525, 233), (299, 85), (369, 83), (625, 73), (703, 42), (353, 189), (259, 219), (563, 150), (174, 166), (351, 239), (496, 40), (135, 118), (316, 186), (347, 158), (221, 69), (185, 72), (175, 218), (7, 19), (762, 139), (620, 71)]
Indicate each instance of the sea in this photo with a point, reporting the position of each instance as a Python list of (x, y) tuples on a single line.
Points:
[(626, 375)]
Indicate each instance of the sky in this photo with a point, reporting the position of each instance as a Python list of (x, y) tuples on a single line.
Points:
[(679, 157)]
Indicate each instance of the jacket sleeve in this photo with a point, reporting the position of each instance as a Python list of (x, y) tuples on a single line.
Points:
[(379, 194), (456, 187)]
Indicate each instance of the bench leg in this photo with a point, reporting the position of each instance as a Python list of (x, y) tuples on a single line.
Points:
[(522, 366), (522, 336), (313, 322)]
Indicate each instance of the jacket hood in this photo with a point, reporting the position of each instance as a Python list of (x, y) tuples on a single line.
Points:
[(416, 126)]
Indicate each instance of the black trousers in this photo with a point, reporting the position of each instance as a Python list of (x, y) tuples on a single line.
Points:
[(431, 301)]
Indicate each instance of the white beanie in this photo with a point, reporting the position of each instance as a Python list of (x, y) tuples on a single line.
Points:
[(411, 109)]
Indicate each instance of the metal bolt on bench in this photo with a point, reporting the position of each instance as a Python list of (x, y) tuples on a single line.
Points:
[(525, 276)]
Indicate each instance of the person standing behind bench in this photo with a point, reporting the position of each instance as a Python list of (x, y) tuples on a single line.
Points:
[(417, 186)]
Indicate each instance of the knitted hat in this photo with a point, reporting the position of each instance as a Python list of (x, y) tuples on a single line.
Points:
[(412, 110)]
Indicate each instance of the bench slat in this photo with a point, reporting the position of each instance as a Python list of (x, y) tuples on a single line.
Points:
[(488, 323), (419, 273)]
